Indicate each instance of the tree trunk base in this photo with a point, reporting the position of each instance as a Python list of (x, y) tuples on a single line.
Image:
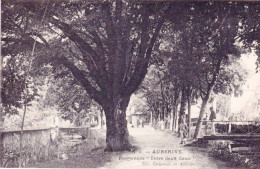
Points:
[(124, 148), (120, 148)]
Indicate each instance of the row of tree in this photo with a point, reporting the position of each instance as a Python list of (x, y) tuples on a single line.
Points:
[(198, 59), (169, 99)]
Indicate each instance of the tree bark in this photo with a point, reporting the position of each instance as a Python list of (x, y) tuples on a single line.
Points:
[(116, 123), (176, 117), (171, 120), (189, 116), (101, 116), (202, 112), (175, 112), (183, 105), (151, 119)]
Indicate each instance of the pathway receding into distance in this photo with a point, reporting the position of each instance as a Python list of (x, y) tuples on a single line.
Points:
[(160, 149)]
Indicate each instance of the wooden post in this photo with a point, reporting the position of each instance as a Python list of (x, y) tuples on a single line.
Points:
[(213, 127), (229, 127)]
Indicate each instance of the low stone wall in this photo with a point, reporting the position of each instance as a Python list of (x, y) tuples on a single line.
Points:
[(84, 131), (46, 144), (37, 146)]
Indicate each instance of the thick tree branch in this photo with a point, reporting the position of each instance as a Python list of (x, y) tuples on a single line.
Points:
[(80, 76), (39, 36), (91, 57), (142, 66), (111, 43)]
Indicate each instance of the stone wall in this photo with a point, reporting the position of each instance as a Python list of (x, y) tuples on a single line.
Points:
[(37, 146), (46, 144), (84, 131)]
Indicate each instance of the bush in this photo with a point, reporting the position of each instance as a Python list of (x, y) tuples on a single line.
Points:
[(222, 149)]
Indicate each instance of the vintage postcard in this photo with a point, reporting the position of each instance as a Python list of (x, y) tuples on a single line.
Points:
[(130, 84)]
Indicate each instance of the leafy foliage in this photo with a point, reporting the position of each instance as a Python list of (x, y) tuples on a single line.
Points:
[(66, 95)]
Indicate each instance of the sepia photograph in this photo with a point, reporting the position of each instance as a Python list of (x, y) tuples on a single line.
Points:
[(130, 84)]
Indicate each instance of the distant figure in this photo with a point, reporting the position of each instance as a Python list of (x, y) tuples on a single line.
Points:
[(206, 118), (138, 123), (162, 125), (54, 134), (207, 124), (212, 117), (183, 132), (142, 123)]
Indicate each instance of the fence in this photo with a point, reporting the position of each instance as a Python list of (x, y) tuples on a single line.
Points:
[(237, 127), (227, 127)]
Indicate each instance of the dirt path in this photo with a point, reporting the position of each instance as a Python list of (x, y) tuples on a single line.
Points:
[(163, 150), (156, 149)]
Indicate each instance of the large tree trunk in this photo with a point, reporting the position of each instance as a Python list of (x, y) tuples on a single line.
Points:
[(202, 112), (183, 105), (101, 118), (189, 116), (175, 112), (116, 123), (176, 117), (151, 119), (171, 120)]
